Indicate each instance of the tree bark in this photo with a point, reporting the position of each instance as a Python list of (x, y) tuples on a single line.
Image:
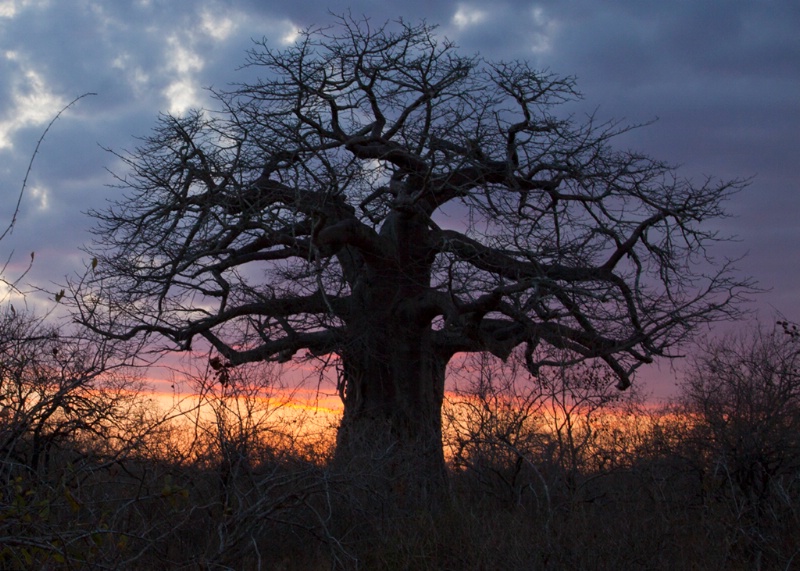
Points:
[(393, 377), (391, 429)]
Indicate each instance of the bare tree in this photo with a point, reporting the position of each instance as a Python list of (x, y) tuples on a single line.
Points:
[(520, 434), (72, 416), (743, 392), (494, 426), (380, 200)]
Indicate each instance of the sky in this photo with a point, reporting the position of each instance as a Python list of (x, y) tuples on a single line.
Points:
[(719, 81)]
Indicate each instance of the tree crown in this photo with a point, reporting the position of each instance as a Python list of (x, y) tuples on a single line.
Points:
[(374, 171)]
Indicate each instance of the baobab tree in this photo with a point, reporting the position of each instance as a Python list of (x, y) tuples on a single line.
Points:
[(380, 202)]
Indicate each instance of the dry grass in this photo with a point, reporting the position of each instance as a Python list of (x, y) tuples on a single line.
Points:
[(663, 512), (641, 494)]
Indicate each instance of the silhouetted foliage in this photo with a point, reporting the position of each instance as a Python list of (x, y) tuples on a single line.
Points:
[(561, 473), (71, 411), (743, 392), (379, 198)]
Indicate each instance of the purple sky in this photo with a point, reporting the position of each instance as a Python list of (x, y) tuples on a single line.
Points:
[(721, 77)]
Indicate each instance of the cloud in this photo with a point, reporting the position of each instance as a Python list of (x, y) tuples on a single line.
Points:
[(544, 30), (10, 8), (183, 63), (41, 197), (220, 28), (30, 100), (468, 16)]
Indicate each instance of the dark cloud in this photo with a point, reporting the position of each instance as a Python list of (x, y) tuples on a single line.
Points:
[(721, 77)]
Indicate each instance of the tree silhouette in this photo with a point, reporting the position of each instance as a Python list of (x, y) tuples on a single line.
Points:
[(742, 393), (381, 201)]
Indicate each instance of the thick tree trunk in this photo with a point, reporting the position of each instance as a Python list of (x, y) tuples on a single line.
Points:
[(393, 378), (391, 430)]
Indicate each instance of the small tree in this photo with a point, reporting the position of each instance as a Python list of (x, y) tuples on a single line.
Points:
[(379, 198), (743, 393), (495, 425), (60, 390), (503, 426)]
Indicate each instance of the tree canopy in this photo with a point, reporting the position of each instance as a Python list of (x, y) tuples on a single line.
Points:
[(379, 197)]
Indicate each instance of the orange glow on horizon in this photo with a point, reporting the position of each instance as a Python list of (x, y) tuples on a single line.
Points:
[(307, 409)]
